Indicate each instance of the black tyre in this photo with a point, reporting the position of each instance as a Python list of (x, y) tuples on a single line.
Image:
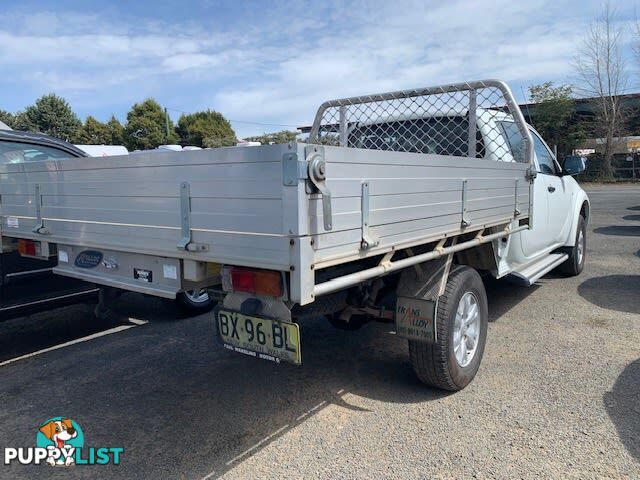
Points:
[(578, 253), (461, 325), (195, 302)]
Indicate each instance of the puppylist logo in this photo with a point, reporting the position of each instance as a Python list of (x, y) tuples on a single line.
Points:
[(60, 442)]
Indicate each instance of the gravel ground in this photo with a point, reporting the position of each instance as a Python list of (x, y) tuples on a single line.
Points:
[(557, 395)]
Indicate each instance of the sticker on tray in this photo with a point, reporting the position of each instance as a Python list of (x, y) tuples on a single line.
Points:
[(170, 271), (143, 275)]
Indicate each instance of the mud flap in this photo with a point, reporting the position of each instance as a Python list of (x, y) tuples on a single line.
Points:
[(417, 299), (416, 319)]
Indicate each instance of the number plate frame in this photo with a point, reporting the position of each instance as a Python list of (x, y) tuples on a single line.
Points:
[(254, 348)]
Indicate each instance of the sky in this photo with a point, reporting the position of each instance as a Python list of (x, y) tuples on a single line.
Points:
[(267, 65)]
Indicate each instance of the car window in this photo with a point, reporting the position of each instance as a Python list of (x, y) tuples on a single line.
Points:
[(515, 140), (17, 152), (544, 157), (446, 135)]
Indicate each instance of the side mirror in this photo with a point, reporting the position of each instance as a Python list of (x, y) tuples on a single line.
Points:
[(573, 165)]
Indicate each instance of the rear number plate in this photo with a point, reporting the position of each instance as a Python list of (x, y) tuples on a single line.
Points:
[(263, 338)]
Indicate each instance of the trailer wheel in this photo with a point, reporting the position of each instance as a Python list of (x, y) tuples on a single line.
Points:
[(452, 361), (578, 253), (195, 302)]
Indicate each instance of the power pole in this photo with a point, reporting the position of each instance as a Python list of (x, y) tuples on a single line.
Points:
[(166, 122)]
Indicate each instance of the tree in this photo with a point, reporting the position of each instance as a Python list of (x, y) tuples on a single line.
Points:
[(94, 132), (205, 129), (52, 115), (7, 118), (148, 126), (116, 131), (601, 70), (554, 116), (284, 136)]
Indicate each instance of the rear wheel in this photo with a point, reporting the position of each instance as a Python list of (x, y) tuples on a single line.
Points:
[(452, 361), (195, 302), (578, 253)]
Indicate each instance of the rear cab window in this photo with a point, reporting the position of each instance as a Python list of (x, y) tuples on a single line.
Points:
[(544, 159), (445, 135), (19, 152), (515, 140)]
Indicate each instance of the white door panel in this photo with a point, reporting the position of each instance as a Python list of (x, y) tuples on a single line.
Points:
[(560, 201), (552, 200)]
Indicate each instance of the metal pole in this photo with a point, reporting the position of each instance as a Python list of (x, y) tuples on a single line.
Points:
[(472, 123), (166, 121), (344, 131)]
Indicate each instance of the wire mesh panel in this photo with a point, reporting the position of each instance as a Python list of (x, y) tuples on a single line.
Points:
[(473, 119)]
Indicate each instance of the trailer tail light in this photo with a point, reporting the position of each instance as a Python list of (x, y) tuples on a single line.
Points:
[(29, 248), (252, 280)]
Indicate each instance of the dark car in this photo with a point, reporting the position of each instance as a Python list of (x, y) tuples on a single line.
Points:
[(28, 285)]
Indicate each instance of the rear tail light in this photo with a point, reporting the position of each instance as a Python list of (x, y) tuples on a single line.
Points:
[(29, 248), (252, 280)]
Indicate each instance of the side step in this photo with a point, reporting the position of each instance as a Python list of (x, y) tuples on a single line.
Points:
[(533, 272)]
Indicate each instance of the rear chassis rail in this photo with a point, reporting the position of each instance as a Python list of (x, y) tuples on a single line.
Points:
[(387, 266)]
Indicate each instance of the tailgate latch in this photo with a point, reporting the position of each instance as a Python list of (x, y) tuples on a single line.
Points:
[(367, 241), (531, 174), (185, 242), (39, 226), (317, 176)]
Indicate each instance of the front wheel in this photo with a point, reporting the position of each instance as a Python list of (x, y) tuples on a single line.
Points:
[(195, 302), (452, 361)]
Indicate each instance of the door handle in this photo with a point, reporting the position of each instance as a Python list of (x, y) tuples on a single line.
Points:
[(551, 189)]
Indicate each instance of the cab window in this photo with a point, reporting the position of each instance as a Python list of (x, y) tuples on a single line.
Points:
[(17, 152), (441, 135), (515, 140), (544, 157)]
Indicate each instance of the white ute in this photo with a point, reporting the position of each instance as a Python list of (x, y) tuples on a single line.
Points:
[(392, 210)]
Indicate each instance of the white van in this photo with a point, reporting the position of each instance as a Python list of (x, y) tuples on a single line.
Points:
[(103, 150)]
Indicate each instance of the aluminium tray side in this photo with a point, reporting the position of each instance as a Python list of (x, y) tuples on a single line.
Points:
[(413, 199), (133, 203), (245, 214)]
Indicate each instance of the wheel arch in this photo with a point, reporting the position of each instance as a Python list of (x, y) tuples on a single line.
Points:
[(582, 207), (585, 210)]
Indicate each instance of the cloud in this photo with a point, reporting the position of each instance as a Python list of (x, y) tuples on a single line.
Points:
[(274, 63), (449, 43)]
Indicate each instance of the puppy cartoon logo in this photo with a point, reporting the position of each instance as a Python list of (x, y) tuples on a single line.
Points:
[(60, 442), (61, 437)]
